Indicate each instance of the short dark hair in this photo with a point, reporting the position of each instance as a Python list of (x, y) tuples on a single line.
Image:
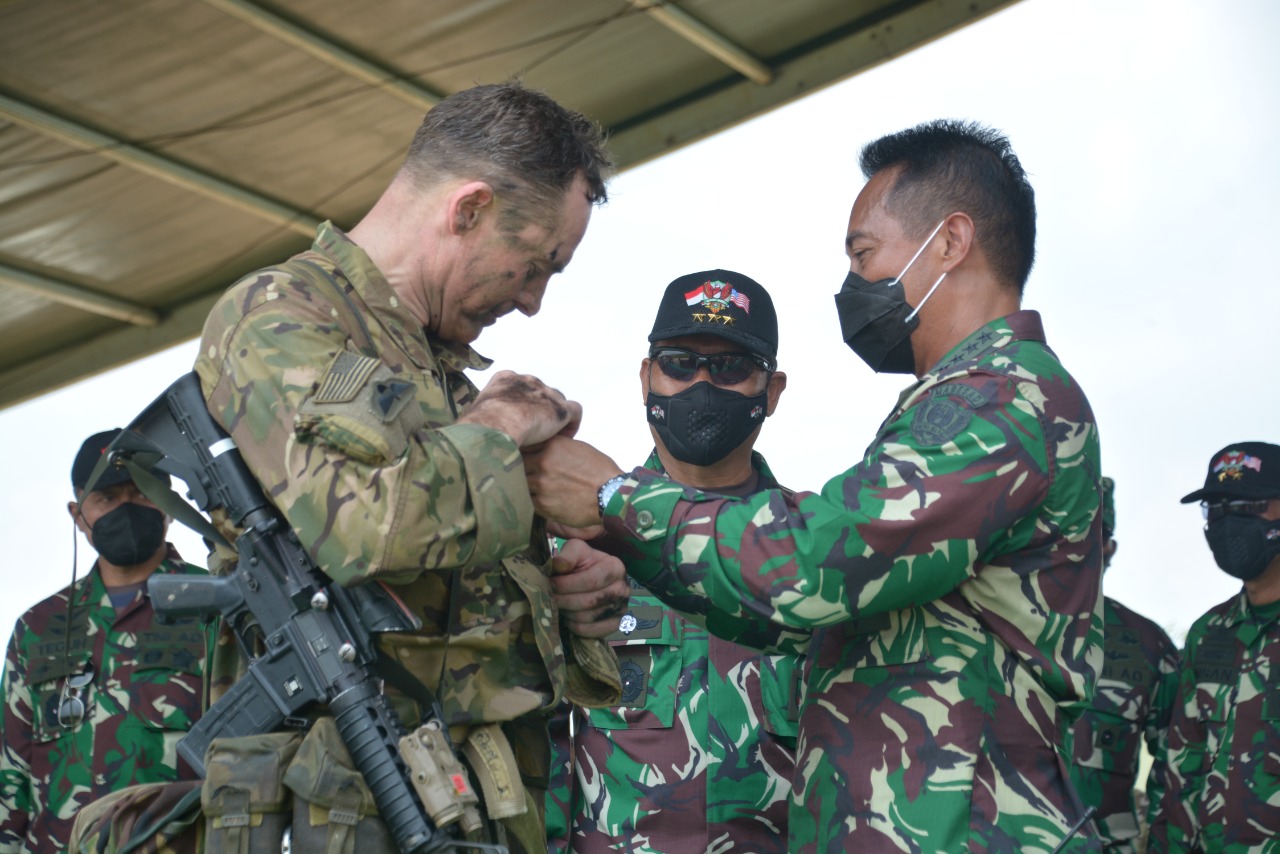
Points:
[(520, 141), (947, 166)]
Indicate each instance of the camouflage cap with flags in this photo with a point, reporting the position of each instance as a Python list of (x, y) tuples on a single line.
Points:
[(721, 303)]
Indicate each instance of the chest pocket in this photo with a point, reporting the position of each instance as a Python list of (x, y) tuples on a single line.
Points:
[(1214, 663), (651, 662), (1271, 725), (480, 647), (46, 678), (1106, 742), (167, 679)]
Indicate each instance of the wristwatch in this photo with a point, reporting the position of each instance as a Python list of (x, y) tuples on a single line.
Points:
[(607, 489)]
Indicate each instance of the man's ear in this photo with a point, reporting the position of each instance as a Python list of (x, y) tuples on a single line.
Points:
[(958, 235), (644, 379), (777, 384), (466, 205), (73, 510)]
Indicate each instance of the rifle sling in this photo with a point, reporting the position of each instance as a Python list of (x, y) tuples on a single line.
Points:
[(395, 673)]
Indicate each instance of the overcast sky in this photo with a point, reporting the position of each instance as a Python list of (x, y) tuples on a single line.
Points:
[(1150, 132)]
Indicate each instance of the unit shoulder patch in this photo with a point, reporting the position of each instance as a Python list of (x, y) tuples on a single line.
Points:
[(946, 413)]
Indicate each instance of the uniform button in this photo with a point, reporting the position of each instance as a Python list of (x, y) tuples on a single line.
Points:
[(1108, 737), (644, 518)]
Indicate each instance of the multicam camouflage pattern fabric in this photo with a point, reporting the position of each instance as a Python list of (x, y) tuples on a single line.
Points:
[(700, 752), (170, 810), (1132, 703), (344, 411), (146, 692), (1224, 741), (952, 581)]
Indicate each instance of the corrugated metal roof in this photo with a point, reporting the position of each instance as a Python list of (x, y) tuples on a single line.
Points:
[(152, 151)]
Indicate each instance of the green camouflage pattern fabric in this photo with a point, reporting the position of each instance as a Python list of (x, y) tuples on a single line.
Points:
[(951, 579), (146, 692), (1132, 704), (345, 411), (1223, 757), (1108, 506), (699, 754)]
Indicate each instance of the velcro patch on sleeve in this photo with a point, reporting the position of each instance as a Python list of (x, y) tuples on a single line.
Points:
[(345, 376)]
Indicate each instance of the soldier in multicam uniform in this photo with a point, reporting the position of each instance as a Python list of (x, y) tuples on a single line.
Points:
[(1224, 742), (1132, 703), (340, 376), (699, 754), (952, 577), (96, 692)]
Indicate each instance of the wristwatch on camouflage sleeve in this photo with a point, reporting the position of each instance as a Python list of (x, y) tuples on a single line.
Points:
[(607, 489)]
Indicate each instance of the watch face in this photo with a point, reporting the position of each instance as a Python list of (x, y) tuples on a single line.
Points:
[(607, 490)]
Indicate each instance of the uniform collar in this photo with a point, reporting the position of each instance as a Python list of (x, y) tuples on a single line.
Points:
[(91, 589), (767, 480), (376, 293), (979, 345)]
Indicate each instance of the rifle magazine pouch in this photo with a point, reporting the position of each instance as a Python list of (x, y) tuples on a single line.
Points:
[(333, 810), (245, 803)]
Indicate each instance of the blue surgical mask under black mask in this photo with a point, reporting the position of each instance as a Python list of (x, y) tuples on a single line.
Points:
[(876, 321)]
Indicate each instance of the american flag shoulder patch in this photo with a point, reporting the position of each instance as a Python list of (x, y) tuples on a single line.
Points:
[(346, 375)]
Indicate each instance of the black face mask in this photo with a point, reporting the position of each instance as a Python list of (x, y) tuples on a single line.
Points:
[(704, 423), (1243, 546), (876, 321), (129, 534)]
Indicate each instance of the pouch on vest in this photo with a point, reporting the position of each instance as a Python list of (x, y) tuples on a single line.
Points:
[(333, 809), (245, 803)]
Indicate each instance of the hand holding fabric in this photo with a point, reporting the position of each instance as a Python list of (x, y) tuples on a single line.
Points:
[(590, 588)]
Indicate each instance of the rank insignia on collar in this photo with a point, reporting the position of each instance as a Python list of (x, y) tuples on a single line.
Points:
[(711, 301)]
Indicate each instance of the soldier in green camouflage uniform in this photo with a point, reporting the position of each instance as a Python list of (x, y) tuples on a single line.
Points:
[(951, 577), (340, 376), (699, 754), (1132, 703), (101, 701), (1224, 742)]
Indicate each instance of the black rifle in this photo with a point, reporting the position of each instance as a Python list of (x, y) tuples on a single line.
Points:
[(307, 639)]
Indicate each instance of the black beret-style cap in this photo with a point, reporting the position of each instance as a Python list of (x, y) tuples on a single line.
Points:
[(1241, 470), (723, 303), (90, 452)]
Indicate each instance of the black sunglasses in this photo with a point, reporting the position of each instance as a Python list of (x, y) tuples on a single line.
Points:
[(724, 368), (71, 708), (1215, 510)]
